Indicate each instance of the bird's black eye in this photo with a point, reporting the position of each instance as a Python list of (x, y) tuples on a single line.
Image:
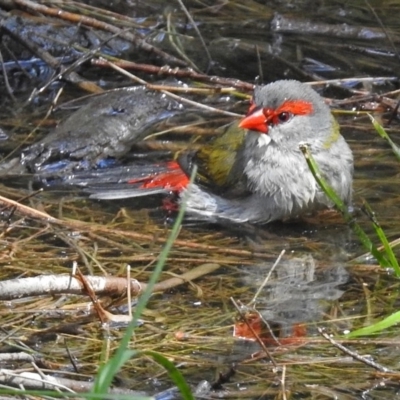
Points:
[(284, 116)]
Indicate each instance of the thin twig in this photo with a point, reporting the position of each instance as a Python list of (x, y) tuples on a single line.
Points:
[(194, 25), (176, 72), (353, 354), (253, 300), (283, 385), (259, 341), (383, 28), (6, 81), (91, 228), (25, 41), (172, 95), (92, 22)]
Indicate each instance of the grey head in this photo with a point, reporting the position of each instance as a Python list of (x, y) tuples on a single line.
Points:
[(306, 116), (284, 115)]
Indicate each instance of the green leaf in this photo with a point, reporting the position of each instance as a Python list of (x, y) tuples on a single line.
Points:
[(110, 369), (365, 240), (383, 134), (379, 326), (173, 373), (382, 237)]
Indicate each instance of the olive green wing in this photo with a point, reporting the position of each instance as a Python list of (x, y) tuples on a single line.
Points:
[(218, 161)]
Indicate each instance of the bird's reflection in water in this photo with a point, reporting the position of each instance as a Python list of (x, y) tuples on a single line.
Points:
[(297, 294)]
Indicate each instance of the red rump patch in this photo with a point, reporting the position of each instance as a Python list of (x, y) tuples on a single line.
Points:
[(173, 179)]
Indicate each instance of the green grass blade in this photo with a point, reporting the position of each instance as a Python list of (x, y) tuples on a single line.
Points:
[(109, 369), (174, 374), (366, 242), (379, 326), (107, 372), (382, 237), (383, 134)]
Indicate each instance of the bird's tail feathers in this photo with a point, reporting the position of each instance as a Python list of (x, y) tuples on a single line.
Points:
[(131, 181)]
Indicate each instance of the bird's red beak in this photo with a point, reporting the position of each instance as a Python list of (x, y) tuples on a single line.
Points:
[(255, 121)]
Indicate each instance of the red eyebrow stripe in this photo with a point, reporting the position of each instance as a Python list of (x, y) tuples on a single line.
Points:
[(296, 107)]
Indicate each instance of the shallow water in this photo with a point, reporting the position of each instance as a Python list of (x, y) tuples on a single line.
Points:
[(315, 285)]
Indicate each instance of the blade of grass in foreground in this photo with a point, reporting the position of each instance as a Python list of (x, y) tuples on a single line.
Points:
[(382, 237), (107, 372), (374, 328), (383, 134), (366, 242)]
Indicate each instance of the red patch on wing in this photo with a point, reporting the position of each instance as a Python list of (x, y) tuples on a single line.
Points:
[(173, 179)]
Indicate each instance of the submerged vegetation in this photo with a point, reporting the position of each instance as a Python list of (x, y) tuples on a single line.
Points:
[(65, 308)]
